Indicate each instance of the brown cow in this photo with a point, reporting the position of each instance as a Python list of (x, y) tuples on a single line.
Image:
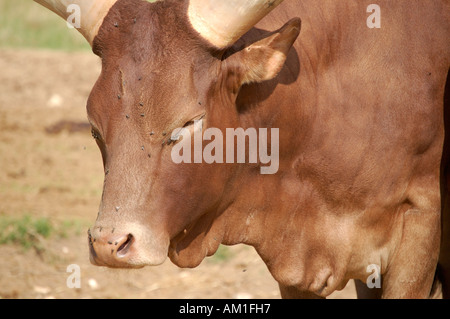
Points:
[(361, 132)]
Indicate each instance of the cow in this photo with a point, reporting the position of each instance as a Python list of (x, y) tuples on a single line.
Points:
[(356, 94)]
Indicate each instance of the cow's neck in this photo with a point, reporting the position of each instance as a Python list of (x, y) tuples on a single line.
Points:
[(277, 214), (247, 214)]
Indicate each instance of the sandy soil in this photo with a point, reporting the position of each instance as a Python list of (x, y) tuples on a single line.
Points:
[(51, 167)]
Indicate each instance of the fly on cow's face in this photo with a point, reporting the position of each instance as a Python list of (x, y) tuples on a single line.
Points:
[(89, 237), (95, 135)]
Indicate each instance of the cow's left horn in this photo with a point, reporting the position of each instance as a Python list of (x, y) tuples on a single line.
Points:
[(223, 22), (92, 13)]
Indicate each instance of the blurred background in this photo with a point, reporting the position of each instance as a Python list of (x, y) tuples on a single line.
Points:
[(51, 179)]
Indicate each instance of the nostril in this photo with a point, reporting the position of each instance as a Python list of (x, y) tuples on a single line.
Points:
[(125, 246)]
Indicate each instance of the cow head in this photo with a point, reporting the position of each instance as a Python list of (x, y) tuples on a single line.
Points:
[(168, 65)]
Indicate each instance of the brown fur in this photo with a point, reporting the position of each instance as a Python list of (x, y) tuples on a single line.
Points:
[(360, 115)]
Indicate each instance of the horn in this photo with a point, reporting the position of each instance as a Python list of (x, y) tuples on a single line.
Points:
[(92, 13), (223, 22)]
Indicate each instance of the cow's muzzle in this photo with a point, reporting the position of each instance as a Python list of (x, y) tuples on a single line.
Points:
[(131, 247), (112, 250)]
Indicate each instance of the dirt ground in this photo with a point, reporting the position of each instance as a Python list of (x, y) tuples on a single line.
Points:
[(50, 167)]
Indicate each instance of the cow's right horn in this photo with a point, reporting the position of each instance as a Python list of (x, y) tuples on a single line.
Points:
[(92, 13), (223, 22)]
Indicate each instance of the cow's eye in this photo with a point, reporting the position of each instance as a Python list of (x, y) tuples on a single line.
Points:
[(197, 118), (189, 125)]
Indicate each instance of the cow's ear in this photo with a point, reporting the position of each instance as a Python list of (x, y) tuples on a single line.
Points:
[(264, 59)]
